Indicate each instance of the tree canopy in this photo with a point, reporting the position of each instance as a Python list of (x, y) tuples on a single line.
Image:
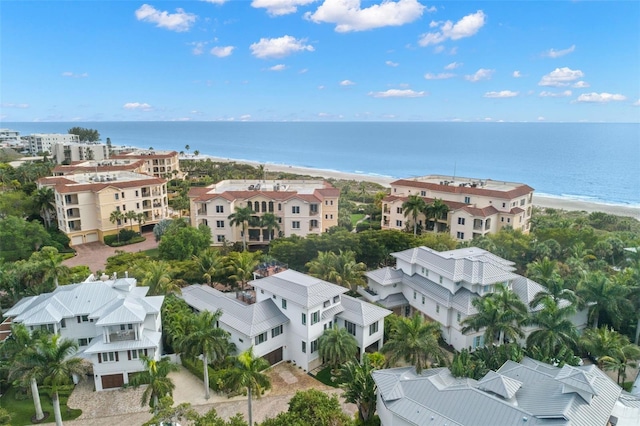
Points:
[(85, 135)]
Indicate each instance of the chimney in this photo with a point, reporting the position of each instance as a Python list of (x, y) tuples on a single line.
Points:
[(126, 274)]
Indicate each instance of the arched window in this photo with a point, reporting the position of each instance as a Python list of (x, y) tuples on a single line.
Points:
[(264, 206), (270, 206), (257, 207)]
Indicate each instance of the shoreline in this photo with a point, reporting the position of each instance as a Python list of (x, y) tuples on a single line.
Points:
[(542, 201)]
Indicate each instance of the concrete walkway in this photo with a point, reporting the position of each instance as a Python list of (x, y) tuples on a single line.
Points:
[(95, 255), (121, 407)]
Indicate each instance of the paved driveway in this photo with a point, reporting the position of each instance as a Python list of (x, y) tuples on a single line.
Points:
[(95, 254), (121, 407)]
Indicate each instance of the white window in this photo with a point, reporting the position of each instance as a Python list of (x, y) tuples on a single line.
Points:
[(295, 224), (415, 295), (304, 319), (440, 279), (399, 223), (460, 235), (276, 331), (314, 346), (261, 338), (63, 323), (108, 357), (220, 238), (458, 317), (304, 347), (399, 210), (508, 220), (219, 209), (315, 317), (219, 223), (295, 209), (467, 200), (437, 309), (423, 193), (117, 196), (461, 221), (373, 328), (351, 327), (423, 300), (284, 303), (136, 353)]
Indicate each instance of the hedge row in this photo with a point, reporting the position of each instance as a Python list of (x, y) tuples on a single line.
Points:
[(218, 379)]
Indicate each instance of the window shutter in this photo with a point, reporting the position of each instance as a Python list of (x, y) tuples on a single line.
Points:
[(117, 358), (129, 355), (99, 358)]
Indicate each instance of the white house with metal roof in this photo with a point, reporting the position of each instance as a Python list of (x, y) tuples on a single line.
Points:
[(291, 312), (526, 393), (113, 321), (443, 285)]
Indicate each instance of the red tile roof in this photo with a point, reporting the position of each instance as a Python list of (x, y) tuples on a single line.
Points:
[(512, 193)]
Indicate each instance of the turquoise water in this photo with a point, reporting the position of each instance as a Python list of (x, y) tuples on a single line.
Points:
[(597, 162)]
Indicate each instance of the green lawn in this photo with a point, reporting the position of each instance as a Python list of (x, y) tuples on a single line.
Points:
[(356, 217), (154, 252), (325, 377), (22, 410)]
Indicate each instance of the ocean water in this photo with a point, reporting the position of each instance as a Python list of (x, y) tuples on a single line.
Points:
[(598, 162)]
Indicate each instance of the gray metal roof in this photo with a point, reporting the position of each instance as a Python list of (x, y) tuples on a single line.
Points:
[(385, 276), (533, 393), (148, 340), (393, 300), (248, 319), (92, 298), (473, 265), (360, 312), (299, 288)]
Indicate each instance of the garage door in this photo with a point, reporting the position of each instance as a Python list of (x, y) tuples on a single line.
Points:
[(77, 240), (93, 237), (112, 381), (274, 357)]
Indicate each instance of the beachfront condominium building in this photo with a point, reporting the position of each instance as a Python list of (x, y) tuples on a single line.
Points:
[(85, 201), (161, 164), (442, 286), (68, 152), (301, 207), (43, 142), (92, 166), (9, 137), (477, 207), (113, 321), (291, 311)]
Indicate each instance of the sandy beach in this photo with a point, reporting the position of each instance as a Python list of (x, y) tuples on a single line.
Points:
[(538, 200)]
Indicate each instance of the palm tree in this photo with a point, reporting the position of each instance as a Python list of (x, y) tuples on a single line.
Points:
[(555, 329), (14, 349), (248, 374), (415, 341), (204, 338), (52, 359), (359, 387), (52, 263), (141, 219), (157, 277), (116, 217), (347, 272), (545, 273), (337, 346), (196, 152), (436, 210), (414, 206), (501, 314), (323, 266), (612, 350), (44, 200), (187, 148), (603, 295), (270, 222), (211, 264), (155, 376), (241, 218), (131, 216), (241, 266)]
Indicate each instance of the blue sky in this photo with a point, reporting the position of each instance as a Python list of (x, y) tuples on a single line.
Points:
[(306, 60)]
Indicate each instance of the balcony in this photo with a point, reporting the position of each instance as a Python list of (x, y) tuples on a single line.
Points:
[(73, 213), (122, 335), (156, 204), (146, 204), (156, 193), (75, 225), (146, 192), (202, 212)]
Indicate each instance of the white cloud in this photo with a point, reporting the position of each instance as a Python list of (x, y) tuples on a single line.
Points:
[(346, 83), (541, 118), (321, 87), (465, 27), (453, 65), (397, 93), (391, 63), (545, 94), (560, 77), (279, 67), (637, 103), (198, 47), (481, 74), (11, 105), (303, 71), (215, 1), (581, 85), (279, 47), (137, 106), (501, 94), (222, 51), (179, 21), (349, 16), (280, 7), (440, 76), (73, 75), (600, 97), (552, 53), (245, 117), (516, 74)]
